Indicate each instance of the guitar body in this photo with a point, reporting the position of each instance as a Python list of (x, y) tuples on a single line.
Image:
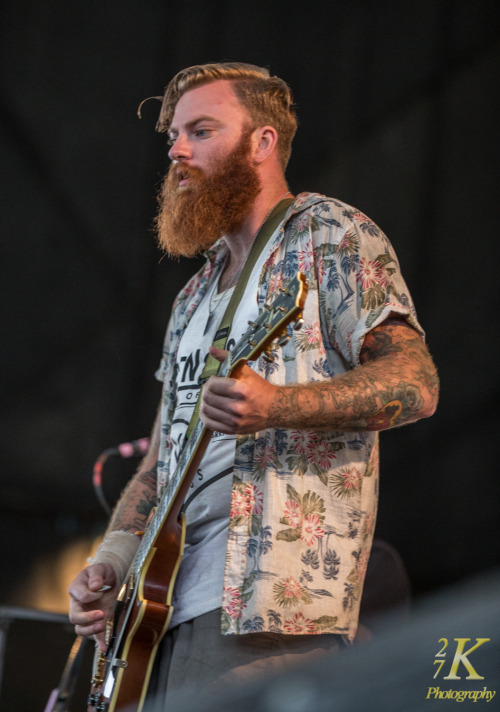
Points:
[(143, 609), (141, 617)]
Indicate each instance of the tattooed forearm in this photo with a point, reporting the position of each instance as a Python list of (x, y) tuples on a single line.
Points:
[(395, 384), (136, 502)]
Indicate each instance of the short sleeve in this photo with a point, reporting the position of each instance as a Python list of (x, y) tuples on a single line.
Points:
[(359, 278)]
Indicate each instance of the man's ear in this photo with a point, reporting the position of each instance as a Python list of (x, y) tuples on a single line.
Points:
[(265, 143)]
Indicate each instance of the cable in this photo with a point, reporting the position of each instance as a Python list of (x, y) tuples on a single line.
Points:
[(134, 448)]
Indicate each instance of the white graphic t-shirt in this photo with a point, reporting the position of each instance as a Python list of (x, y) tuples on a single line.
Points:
[(198, 588)]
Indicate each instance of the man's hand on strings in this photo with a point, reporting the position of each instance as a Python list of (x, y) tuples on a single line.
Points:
[(92, 595), (236, 405)]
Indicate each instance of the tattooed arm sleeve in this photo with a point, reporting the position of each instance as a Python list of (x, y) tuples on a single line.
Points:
[(140, 495), (395, 384)]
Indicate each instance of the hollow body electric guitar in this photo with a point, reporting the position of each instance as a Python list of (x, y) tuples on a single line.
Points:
[(143, 608)]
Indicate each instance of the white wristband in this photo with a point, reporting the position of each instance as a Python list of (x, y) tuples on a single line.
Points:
[(118, 548)]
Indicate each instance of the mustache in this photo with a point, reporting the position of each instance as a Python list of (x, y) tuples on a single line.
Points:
[(180, 171)]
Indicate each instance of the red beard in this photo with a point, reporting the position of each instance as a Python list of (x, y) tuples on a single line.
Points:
[(192, 218)]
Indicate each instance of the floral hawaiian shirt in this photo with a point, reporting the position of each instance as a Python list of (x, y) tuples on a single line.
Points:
[(303, 502)]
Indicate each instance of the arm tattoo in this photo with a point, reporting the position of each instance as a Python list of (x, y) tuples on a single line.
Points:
[(135, 504), (395, 384)]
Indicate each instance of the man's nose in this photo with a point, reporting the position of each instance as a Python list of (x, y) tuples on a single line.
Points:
[(180, 149)]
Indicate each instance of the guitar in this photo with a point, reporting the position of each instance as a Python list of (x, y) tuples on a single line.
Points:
[(143, 609)]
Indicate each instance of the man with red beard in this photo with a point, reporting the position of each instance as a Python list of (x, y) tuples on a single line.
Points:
[(281, 513)]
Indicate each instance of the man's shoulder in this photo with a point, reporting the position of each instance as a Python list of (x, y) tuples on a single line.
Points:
[(319, 213), (323, 212), (318, 203)]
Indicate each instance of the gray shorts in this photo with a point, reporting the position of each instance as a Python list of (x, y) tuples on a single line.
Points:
[(196, 662)]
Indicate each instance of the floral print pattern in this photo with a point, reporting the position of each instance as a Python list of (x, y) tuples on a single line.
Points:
[(303, 505)]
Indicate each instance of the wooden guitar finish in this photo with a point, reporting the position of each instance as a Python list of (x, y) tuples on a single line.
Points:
[(143, 609)]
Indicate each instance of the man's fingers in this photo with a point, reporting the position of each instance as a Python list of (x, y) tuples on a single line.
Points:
[(219, 354), (218, 425), (83, 594), (87, 618), (92, 594), (220, 410), (92, 583), (220, 386), (101, 577), (235, 405), (217, 397), (87, 623), (88, 630)]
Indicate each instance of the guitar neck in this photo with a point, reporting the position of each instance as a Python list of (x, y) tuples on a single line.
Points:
[(190, 457)]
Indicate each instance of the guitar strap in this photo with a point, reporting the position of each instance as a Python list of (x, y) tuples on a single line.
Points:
[(212, 366)]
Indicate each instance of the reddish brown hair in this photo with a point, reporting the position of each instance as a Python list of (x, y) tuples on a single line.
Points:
[(267, 99)]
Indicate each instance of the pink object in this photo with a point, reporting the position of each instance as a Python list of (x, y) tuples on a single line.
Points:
[(126, 449), (49, 707)]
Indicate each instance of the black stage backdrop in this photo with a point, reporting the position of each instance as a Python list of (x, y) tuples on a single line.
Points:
[(398, 106)]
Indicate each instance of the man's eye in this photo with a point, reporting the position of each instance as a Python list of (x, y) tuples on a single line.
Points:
[(202, 133)]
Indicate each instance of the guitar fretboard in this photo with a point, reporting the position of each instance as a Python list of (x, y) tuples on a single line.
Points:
[(167, 498)]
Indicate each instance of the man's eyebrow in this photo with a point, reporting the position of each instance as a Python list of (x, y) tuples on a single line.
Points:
[(191, 124)]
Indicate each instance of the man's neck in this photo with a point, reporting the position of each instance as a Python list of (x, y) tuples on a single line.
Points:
[(240, 242)]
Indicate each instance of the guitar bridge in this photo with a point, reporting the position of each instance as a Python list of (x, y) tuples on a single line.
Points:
[(99, 667)]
